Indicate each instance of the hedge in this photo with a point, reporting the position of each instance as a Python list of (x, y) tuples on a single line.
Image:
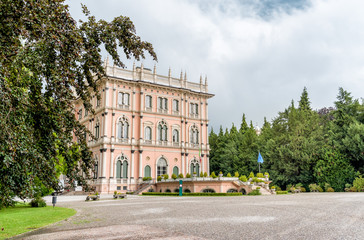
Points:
[(282, 192), (191, 194)]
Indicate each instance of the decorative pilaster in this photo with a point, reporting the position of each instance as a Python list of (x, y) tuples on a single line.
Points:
[(140, 175), (132, 164), (183, 163), (112, 162)]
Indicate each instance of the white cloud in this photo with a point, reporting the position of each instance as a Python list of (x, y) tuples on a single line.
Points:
[(254, 65)]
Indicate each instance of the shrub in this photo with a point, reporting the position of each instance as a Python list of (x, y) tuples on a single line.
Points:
[(38, 202), (288, 187), (266, 174), (260, 175), (228, 175), (251, 175), (174, 176), (147, 178), (298, 185), (180, 175), (213, 175), (273, 187), (327, 186), (220, 173), (115, 192), (165, 176), (303, 189), (330, 189), (292, 189), (243, 178), (258, 188), (353, 189), (159, 178), (194, 173), (188, 175), (359, 184), (278, 188), (201, 174), (97, 193), (236, 174), (255, 192), (320, 189), (282, 192), (205, 174), (313, 187)]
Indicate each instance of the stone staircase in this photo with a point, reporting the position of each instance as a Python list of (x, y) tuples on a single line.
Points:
[(142, 187)]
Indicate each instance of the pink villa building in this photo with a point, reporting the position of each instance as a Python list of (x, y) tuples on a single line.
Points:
[(147, 125)]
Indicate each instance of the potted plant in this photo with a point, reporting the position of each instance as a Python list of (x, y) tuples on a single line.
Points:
[(220, 174)]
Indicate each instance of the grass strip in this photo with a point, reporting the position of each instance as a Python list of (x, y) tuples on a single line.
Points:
[(191, 194), (23, 218)]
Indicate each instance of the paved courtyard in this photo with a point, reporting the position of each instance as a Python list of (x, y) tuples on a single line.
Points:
[(299, 216)]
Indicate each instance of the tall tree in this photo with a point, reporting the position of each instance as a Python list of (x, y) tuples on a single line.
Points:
[(46, 62)]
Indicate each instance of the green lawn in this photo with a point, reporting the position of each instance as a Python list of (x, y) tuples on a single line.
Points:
[(22, 218)]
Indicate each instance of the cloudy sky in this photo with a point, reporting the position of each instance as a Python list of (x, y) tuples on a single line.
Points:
[(258, 55)]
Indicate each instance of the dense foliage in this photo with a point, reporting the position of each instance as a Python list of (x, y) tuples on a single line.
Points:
[(47, 60), (301, 145)]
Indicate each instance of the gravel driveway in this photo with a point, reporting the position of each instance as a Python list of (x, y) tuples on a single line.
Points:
[(298, 216)]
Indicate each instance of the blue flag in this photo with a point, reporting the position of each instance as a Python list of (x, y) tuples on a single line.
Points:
[(260, 158)]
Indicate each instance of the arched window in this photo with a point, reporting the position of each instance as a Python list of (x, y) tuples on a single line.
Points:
[(148, 134), (195, 167), (232, 190), (208, 190), (175, 136), (118, 169), (122, 167), (161, 167), (162, 131), (125, 168), (147, 171), (97, 130), (175, 170), (123, 128), (194, 135)]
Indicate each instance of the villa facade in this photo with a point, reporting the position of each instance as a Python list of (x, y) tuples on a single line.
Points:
[(146, 125)]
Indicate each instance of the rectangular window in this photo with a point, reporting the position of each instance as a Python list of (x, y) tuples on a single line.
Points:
[(148, 102), (175, 105), (124, 100), (162, 104)]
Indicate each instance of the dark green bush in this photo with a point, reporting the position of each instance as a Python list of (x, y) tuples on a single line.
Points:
[(251, 175), (147, 178), (180, 175), (213, 175), (38, 202), (228, 175), (159, 178), (188, 175), (201, 174), (282, 192), (255, 192), (330, 189), (205, 174), (174, 176)]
